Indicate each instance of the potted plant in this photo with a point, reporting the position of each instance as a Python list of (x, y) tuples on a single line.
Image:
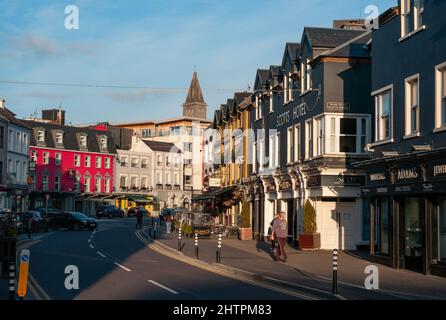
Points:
[(245, 230), (310, 239)]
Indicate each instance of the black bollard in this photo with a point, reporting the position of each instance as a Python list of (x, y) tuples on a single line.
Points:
[(196, 245), (335, 271), (12, 278), (179, 240)]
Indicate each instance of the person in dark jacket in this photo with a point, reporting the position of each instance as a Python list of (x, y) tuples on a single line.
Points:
[(139, 216)]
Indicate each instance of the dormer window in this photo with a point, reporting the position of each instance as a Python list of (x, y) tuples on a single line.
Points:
[(83, 141), (258, 107), (59, 138), (305, 71), (41, 136), (103, 142)]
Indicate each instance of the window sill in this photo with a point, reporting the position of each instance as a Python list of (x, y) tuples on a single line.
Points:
[(379, 143), (440, 129), (288, 102), (412, 135), (412, 33)]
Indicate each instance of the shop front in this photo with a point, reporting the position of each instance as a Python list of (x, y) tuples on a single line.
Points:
[(287, 202), (408, 212)]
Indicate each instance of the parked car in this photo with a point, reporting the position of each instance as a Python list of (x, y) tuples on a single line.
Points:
[(109, 211), (49, 212), (38, 222), (73, 221), (132, 211)]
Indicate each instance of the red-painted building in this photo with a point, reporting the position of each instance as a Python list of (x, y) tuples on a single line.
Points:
[(71, 168)]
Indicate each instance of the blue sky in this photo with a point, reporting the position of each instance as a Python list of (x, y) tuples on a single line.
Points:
[(150, 43)]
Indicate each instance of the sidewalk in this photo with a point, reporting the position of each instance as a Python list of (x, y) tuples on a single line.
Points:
[(312, 269)]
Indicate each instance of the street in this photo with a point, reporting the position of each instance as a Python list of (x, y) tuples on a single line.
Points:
[(114, 263)]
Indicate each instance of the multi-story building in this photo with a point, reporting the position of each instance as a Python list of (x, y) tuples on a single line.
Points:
[(150, 170), (406, 179), (186, 132), (71, 168), (14, 141)]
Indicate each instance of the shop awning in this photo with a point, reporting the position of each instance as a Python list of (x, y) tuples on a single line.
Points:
[(139, 199), (218, 194)]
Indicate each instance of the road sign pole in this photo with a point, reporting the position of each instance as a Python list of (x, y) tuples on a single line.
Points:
[(335, 271), (179, 240), (196, 245), (23, 273), (12, 277)]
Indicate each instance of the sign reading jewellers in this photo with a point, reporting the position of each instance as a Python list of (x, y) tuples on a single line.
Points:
[(288, 116), (436, 170)]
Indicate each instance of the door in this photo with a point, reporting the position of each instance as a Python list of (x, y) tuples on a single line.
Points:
[(339, 225), (412, 228)]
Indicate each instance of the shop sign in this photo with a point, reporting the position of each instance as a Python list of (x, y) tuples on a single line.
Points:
[(270, 186), (286, 117), (338, 106), (314, 181), (377, 177), (342, 180), (214, 182), (407, 174)]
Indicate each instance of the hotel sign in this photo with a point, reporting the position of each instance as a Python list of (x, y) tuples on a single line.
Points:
[(286, 117)]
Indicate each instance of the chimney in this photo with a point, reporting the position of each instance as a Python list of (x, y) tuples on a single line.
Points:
[(2, 103), (352, 24)]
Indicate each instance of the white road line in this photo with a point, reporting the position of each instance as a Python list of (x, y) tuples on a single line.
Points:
[(89, 240), (101, 254), (161, 286), (122, 267), (91, 246)]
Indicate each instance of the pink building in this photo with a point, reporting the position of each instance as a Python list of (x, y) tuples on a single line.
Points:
[(71, 168)]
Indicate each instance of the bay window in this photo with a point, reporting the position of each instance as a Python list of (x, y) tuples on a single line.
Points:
[(384, 117), (297, 143), (320, 136), (309, 139), (348, 130), (412, 106)]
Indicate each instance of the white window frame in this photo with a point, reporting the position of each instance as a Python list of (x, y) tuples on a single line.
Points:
[(58, 158), (107, 185), (408, 82), (285, 89), (59, 137), (107, 162), (254, 157), (261, 154), (440, 125), (406, 11), (103, 142), (290, 153), (40, 136), (134, 164), (272, 151), (87, 161), (376, 95), (57, 182), (309, 135), (159, 177), (418, 11), (83, 141), (77, 160), (34, 156), (87, 184), (168, 178), (258, 105), (45, 182), (271, 99), (144, 163), (143, 182), (124, 160), (277, 150), (135, 178), (46, 157), (96, 187), (297, 142), (319, 133), (98, 162)]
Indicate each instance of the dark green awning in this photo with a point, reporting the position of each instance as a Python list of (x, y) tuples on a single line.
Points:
[(139, 199)]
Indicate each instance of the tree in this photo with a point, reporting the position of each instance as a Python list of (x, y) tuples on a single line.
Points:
[(245, 217), (310, 225)]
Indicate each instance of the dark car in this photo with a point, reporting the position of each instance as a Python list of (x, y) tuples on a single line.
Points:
[(109, 211), (32, 221), (48, 213), (73, 221), (132, 211)]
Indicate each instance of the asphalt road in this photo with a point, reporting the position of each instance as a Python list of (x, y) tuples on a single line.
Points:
[(113, 263)]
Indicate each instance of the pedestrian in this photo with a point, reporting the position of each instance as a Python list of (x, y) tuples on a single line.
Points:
[(139, 216), (280, 232), (270, 234), (168, 221)]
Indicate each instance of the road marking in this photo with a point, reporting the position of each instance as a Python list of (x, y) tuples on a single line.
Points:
[(91, 246), (89, 240), (122, 267), (161, 286), (101, 254), (224, 273)]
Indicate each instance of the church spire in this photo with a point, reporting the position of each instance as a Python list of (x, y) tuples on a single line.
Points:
[(195, 106)]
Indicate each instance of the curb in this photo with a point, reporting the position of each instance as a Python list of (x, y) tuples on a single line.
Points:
[(254, 276)]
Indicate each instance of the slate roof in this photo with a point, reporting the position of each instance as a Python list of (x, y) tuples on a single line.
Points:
[(70, 138), (239, 97), (329, 37), (355, 48), (162, 146), (11, 118), (293, 49), (263, 75)]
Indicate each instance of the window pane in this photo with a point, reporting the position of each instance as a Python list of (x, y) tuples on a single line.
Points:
[(443, 81), (384, 227), (413, 230), (347, 144), (348, 126), (442, 231)]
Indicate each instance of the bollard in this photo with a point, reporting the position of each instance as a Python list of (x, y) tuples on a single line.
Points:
[(154, 232), (219, 249), (196, 245), (335, 271), (12, 277), (179, 240)]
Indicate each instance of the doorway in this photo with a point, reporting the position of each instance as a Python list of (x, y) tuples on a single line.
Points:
[(412, 231)]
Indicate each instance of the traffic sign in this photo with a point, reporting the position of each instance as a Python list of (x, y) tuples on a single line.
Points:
[(23, 273)]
